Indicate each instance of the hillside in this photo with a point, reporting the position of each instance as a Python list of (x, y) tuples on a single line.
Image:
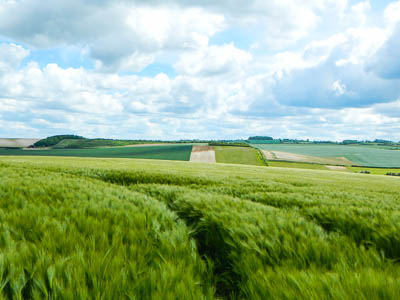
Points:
[(16, 143), (92, 143), (114, 228)]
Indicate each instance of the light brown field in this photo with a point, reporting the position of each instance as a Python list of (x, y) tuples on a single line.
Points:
[(337, 168), (203, 154), (17, 143), (286, 156)]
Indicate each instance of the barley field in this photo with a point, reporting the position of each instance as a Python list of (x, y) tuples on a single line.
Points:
[(104, 228)]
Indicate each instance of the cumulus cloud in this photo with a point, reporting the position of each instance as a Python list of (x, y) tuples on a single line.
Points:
[(120, 35), (214, 60), (11, 55), (128, 35), (297, 75), (386, 62)]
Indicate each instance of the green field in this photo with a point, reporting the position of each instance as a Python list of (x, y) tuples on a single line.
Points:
[(92, 143), (284, 164), (168, 152), (376, 171), (237, 155), (86, 228), (359, 155)]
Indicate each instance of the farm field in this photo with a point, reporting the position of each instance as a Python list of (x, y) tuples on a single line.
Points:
[(203, 154), (237, 155), (375, 171), (284, 164), (293, 157), (17, 143), (358, 155), (92, 143), (117, 228), (167, 152)]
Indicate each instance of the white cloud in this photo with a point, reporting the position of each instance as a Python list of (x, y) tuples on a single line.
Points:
[(11, 55), (338, 88), (214, 60), (392, 13), (218, 88)]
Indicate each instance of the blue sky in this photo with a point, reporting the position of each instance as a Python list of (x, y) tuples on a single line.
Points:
[(318, 69)]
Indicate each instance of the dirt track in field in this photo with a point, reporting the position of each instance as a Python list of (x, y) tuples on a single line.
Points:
[(203, 154), (17, 143), (286, 156)]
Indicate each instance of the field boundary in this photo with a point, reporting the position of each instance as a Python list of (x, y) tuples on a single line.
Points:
[(262, 157)]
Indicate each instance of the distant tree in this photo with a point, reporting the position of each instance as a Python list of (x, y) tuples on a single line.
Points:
[(53, 140), (262, 138), (347, 142), (379, 141)]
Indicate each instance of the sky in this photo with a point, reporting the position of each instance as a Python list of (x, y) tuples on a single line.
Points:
[(184, 69)]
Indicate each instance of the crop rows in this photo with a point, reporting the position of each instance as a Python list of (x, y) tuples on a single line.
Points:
[(199, 231)]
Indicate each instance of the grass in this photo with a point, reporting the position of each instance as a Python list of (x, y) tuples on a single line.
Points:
[(167, 152), (283, 164), (375, 171), (117, 228), (359, 155), (68, 237), (238, 155)]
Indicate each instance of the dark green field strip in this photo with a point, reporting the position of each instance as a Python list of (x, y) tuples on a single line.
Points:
[(170, 152), (66, 237)]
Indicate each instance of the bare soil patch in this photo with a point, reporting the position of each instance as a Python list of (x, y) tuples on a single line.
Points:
[(286, 156), (203, 154), (269, 155), (337, 168)]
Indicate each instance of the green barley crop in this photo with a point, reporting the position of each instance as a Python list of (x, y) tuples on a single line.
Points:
[(112, 228)]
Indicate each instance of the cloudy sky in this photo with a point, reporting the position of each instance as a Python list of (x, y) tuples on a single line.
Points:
[(319, 69)]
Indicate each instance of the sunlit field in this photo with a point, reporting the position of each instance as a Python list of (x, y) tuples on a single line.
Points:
[(75, 228)]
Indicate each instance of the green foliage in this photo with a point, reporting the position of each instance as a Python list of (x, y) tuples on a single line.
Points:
[(92, 143), (195, 231), (65, 237), (238, 155), (167, 152), (284, 164), (262, 138), (375, 171), (264, 142), (232, 144), (52, 140)]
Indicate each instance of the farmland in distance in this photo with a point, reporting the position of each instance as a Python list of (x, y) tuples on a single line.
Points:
[(357, 155), (167, 152), (238, 155)]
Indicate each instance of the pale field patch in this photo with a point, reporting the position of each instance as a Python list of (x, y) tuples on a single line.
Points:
[(286, 156), (203, 154), (337, 168)]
